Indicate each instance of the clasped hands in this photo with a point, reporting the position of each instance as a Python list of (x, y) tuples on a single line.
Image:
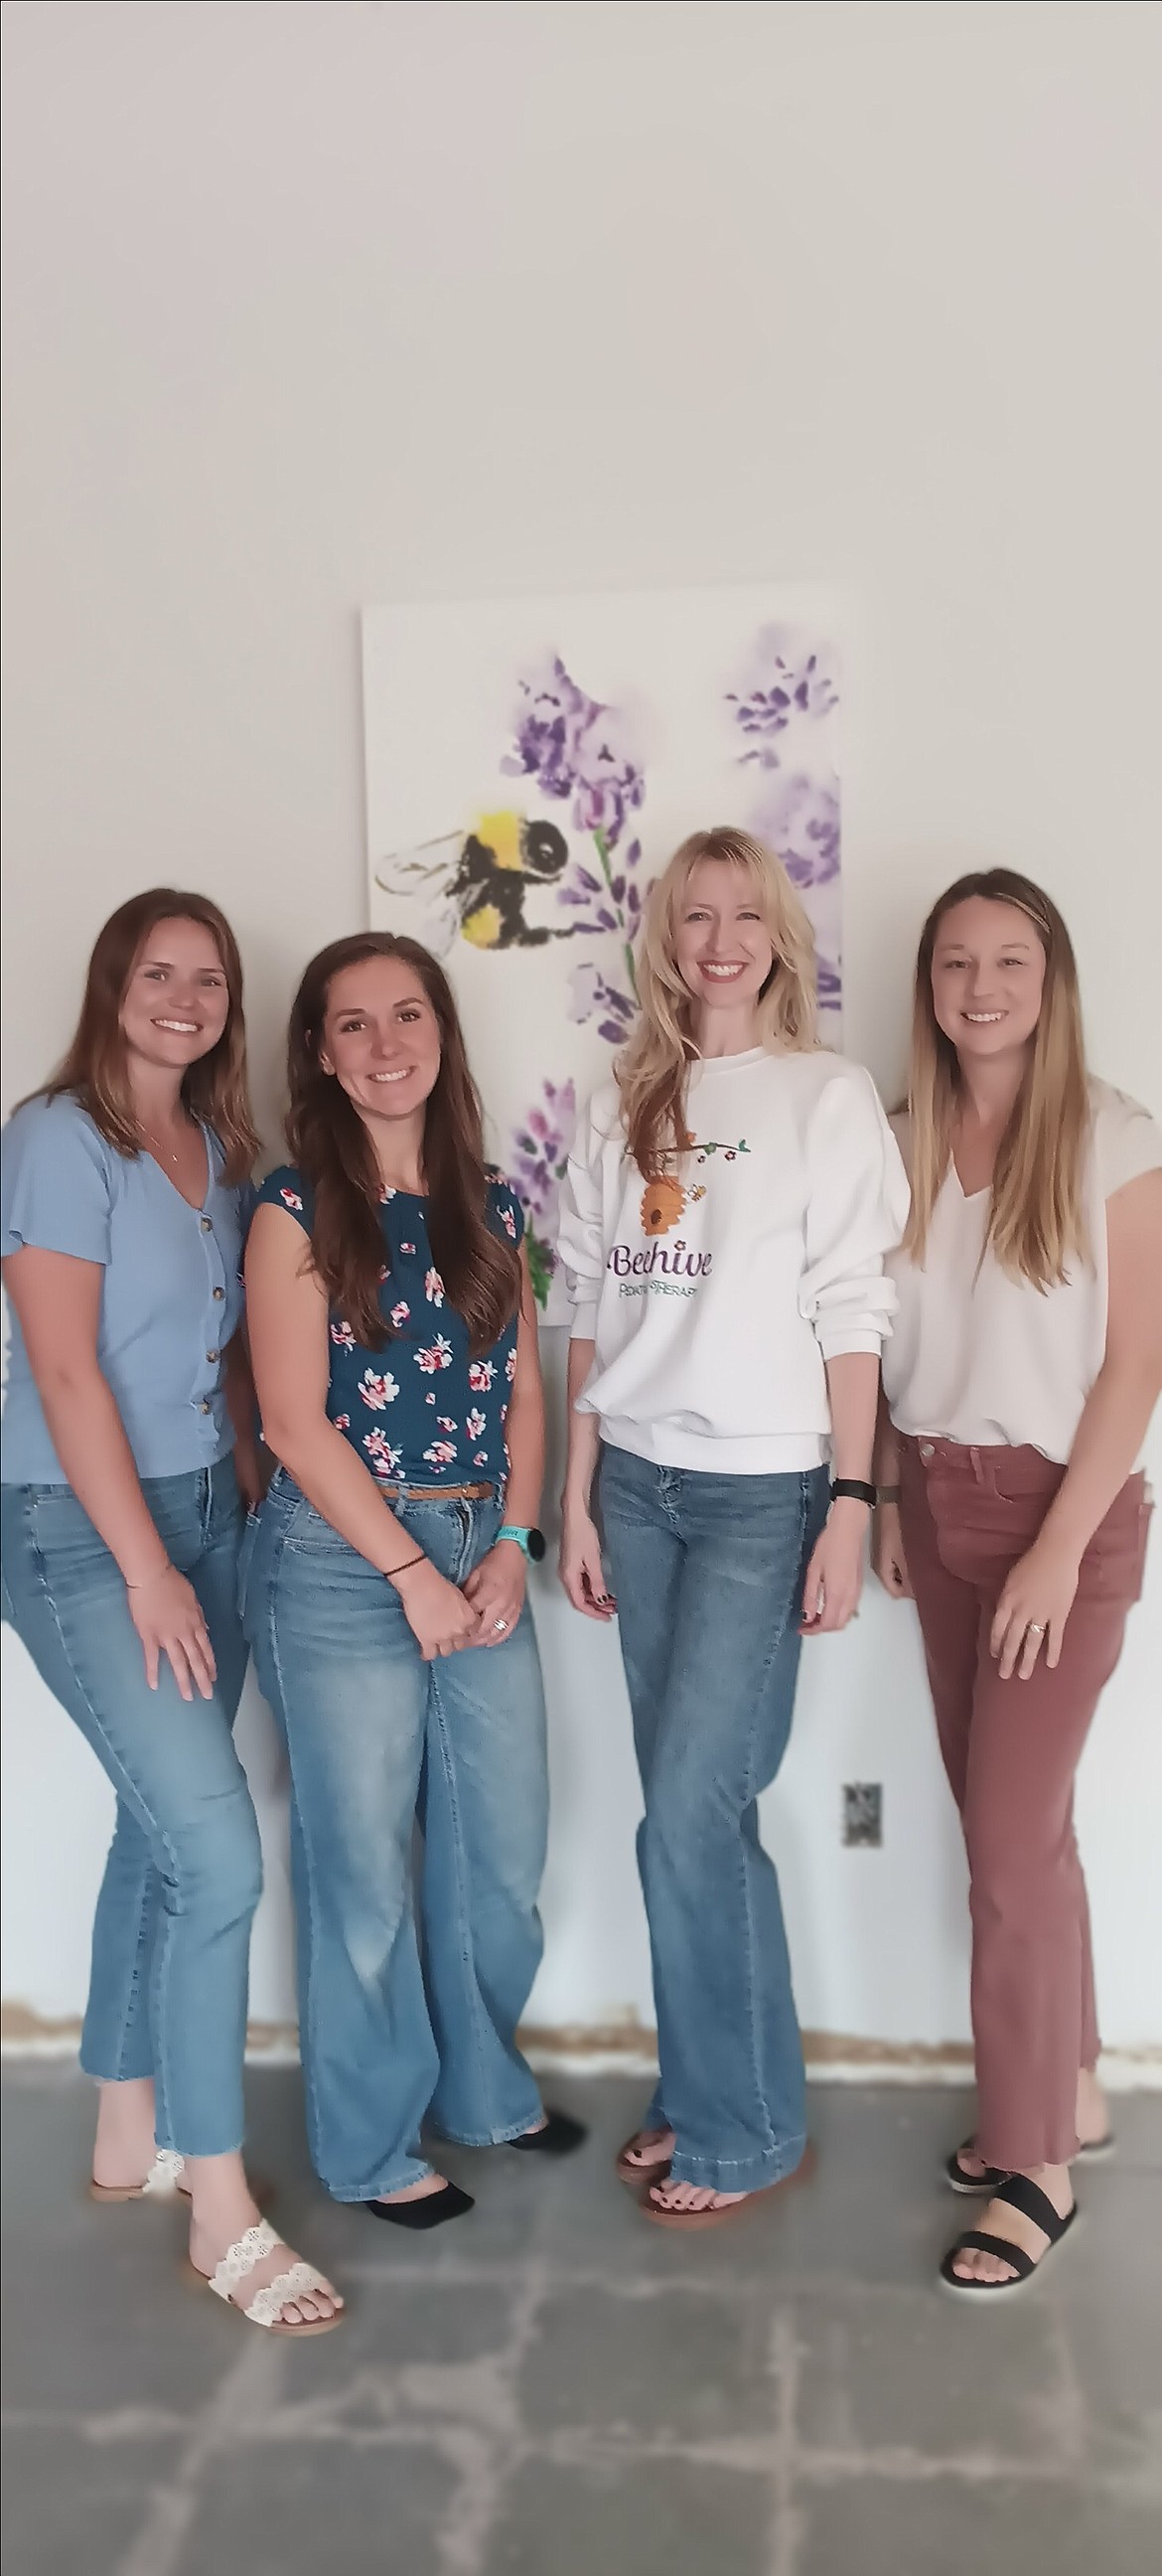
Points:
[(445, 1617)]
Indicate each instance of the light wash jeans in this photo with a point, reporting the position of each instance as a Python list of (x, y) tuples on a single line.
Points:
[(373, 1733), (171, 1939), (708, 1572)]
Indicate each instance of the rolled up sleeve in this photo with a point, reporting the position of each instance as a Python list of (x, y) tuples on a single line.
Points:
[(856, 1212)]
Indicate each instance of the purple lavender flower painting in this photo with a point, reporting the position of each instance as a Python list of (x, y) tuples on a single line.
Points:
[(536, 1169), (783, 708), (531, 766)]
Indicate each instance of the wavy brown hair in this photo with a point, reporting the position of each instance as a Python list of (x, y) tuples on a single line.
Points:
[(95, 1069), (1036, 1218), (653, 1070), (332, 1148)]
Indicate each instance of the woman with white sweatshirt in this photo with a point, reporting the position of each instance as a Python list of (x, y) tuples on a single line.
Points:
[(728, 1206)]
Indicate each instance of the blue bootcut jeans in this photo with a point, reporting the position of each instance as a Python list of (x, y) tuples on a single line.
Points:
[(708, 1572), (373, 1734), (171, 1937)]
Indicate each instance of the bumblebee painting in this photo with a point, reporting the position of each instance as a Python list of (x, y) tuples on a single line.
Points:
[(475, 886)]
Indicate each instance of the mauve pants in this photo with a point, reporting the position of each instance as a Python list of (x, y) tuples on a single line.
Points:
[(1011, 1749)]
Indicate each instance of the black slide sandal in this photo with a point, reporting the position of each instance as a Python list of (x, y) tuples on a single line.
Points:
[(1018, 2193), (986, 2186), (421, 2215)]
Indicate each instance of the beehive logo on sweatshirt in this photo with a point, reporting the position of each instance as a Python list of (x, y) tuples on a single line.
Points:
[(663, 1203)]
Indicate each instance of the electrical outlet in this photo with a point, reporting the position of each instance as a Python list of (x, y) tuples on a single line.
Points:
[(863, 1813)]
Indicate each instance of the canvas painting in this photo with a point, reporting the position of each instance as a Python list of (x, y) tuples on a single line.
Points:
[(531, 766)]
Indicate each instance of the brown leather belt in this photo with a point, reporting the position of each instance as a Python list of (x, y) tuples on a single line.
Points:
[(436, 1493)]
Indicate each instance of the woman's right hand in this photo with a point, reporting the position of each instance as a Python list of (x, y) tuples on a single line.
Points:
[(440, 1619), (167, 1615), (580, 1567), (889, 1562)]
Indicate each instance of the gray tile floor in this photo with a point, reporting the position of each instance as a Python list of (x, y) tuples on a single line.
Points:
[(552, 2387)]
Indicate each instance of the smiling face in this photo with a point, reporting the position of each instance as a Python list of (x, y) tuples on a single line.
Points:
[(988, 976), (721, 945), (177, 1002), (380, 1038)]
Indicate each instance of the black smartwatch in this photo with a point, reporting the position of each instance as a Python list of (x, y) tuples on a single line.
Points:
[(852, 1490)]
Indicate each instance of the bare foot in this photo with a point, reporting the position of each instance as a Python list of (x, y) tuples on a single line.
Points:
[(692, 2195), (124, 2147), (973, 2263), (650, 2148), (1093, 2123), (208, 2246), (1093, 2110)]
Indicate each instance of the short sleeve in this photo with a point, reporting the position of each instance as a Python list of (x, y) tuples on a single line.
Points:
[(1127, 1140), (286, 1188), (505, 1211), (56, 1185)]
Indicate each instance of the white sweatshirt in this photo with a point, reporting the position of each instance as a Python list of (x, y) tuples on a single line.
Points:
[(715, 1294)]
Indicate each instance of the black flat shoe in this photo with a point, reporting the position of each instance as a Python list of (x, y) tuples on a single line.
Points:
[(1017, 2193), (560, 2135), (419, 2215)]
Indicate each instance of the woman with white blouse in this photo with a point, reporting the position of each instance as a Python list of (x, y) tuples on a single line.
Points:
[(728, 1205), (1020, 1379)]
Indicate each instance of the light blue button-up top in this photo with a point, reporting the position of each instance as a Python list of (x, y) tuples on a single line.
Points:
[(171, 1297)]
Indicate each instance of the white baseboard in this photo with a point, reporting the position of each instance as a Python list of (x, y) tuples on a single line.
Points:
[(832, 2057)]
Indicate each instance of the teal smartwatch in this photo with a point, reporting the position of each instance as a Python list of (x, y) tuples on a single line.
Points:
[(531, 1542)]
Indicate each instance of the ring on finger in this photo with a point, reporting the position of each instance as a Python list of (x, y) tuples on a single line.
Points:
[(1034, 1628)]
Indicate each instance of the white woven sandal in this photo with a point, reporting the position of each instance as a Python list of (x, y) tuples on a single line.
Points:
[(266, 2306), (162, 2182)]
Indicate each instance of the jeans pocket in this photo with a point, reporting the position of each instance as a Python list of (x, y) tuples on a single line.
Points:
[(1113, 1568)]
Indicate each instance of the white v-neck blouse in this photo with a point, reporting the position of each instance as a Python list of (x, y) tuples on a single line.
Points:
[(979, 1356)]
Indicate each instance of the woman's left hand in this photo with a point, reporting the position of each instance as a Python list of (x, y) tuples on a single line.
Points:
[(1032, 1610), (835, 1573), (496, 1590)]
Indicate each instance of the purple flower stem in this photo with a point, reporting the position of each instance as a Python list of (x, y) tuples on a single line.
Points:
[(602, 849)]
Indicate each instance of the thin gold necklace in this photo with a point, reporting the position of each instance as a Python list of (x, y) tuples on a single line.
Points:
[(156, 1143)]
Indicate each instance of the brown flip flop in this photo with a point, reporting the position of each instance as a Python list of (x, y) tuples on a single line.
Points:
[(633, 2174), (692, 2218)]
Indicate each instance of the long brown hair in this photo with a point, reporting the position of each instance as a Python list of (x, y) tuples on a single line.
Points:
[(332, 1148), (95, 1068), (1036, 1218), (654, 1068)]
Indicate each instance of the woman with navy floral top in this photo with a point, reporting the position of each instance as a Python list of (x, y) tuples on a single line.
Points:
[(394, 1342)]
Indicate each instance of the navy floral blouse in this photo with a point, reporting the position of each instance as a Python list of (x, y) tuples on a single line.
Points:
[(419, 1411)]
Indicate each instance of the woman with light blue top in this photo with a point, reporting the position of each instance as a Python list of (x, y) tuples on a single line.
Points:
[(395, 1354), (128, 1433)]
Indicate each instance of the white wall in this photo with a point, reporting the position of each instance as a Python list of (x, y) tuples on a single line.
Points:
[(326, 303)]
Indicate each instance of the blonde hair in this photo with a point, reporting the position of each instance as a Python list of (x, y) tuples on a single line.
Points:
[(1036, 1216), (653, 1069)]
